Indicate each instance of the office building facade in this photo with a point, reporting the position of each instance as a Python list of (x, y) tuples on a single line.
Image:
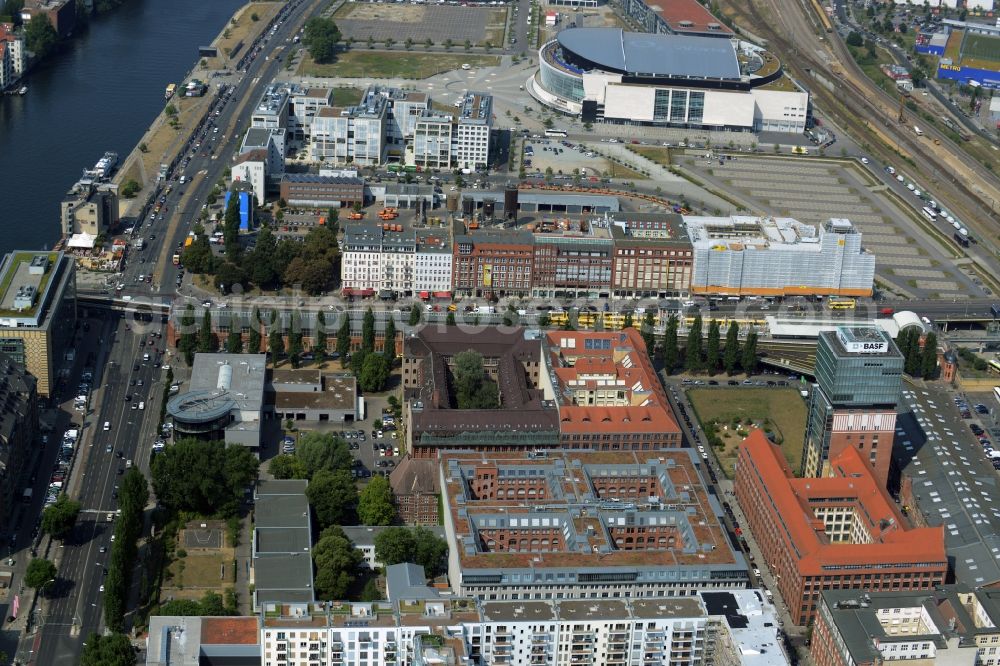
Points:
[(853, 403)]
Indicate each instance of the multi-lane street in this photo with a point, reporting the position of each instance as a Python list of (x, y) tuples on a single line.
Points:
[(115, 430)]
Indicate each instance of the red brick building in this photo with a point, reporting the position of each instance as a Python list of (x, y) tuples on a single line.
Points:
[(607, 392), (61, 14), (493, 262), (837, 532), (652, 256)]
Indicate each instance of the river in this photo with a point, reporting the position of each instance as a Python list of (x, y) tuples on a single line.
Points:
[(100, 93)]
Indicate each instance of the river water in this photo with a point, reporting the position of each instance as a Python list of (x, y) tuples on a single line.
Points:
[(100, 93)]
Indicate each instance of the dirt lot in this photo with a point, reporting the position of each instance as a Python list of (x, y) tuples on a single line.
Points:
[(244, 31), (200, 570), (363, 64), (382, 21), (733, 410)]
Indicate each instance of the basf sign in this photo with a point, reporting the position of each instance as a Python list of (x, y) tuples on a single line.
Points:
[(867, 347)]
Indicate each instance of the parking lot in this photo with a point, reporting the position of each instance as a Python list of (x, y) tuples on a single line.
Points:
[(814, 191), (382, 21)]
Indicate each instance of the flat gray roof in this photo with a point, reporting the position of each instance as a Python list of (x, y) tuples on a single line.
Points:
[(653, 55), (281, 511), (219, 384)]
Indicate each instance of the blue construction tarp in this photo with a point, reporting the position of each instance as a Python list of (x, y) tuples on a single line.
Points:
[(245, 209)]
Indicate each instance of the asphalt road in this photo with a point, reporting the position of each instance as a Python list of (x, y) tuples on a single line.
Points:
[(74, 608)]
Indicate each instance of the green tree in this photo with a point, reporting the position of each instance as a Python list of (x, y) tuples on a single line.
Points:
[(855, 39), (319, 451), (108, 650), (544, 320), (319, 337), (414, 316), (670, 352), (368, 331), (130, 188), (231, 227), (928, 362), (418, 545), (253, 337), (40, 572), (334, 498), (473, 389), (234, 340), (749, 361), (375, 505), (371, 590), (275, 339), (731, 354), (189, 340), (295, 339), (344, 339), (648, 332), (449, 319), (337, 562), (374, 373), (262, 259), (693, 361), (59, 518), (389, 338), (287, 466), (39, 36), (180, 608), (227, 276), (207, 342), (320, 37), (627, 321), (223, 474), (712, 349)]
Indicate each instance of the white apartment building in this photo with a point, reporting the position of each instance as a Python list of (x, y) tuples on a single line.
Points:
[(472, 137), (271, 111), (251, 167), (405, 108), (432, 263), (376, 260), (723, 628), (305, 104), (13, 53), (354, 134), (433, 136)]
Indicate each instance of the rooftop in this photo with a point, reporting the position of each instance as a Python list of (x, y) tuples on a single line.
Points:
[(274, 97), (25, 281), (325, 180), (282, 542), (576, 495), (476, 107), (749, 232), (795, 501), (220, 384), (647, 54), (689, 17)]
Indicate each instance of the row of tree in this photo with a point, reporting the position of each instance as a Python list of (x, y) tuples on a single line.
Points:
[(128, 526), (207, 478), (919, 361), (210, 604), (701, 353)]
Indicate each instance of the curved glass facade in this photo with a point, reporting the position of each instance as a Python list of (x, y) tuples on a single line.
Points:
[(560, 83)]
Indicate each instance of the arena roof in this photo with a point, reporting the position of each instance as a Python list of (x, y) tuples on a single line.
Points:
[(655, 55)]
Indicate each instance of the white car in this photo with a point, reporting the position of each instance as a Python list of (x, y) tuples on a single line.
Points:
[(756, 572), (102, 588), (864, 160)]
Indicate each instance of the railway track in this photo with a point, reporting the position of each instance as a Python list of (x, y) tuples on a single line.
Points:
[(855, 97)]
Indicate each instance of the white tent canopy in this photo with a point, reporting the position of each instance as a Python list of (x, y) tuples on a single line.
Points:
[(82, 241)]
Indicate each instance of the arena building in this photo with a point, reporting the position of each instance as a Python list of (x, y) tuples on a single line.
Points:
[(609, 75)]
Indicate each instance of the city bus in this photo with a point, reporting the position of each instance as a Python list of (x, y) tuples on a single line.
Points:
[(929, 213), (555, 132), (841, 303), (996, 393)]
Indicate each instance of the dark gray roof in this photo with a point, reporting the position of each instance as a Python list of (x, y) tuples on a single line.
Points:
[(316, 178), (407, 582), (659, 55)]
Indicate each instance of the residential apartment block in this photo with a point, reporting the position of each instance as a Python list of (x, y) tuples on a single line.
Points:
[(767, 256), (842, 531), (90, 208), (571, 259), (723, 628), (859, 376), (304, 104), (376, 260), (353, 134), (432, 263), (472, 136), (947, 625), (583, 525), (272, 110), (489, 261), (11, 55), (18, 430), (433, 136)]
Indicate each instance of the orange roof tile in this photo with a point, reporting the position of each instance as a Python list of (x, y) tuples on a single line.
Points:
[(892, 540), (229, 630)]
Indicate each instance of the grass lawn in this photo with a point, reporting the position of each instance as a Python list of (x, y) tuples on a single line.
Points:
[(621, 171), (658, 154), (245, 30), (201, 571), (346, 96), (362, 64), (780, 410)]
